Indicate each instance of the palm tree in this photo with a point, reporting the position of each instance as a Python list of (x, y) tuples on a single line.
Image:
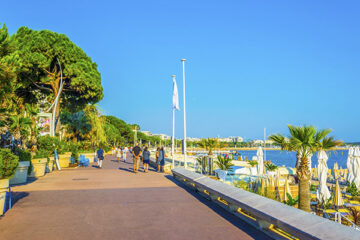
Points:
[(20, 127), (224, 163), (305, 140), (209, 144)]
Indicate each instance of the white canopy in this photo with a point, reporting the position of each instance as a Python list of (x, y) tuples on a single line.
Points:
[(322, 193), (356, 167), (349, 165)]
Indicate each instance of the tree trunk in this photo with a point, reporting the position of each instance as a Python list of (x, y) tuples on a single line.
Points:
[(57, 117), (304, 175)]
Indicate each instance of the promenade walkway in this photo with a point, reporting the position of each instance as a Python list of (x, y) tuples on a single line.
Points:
[(114, 203)]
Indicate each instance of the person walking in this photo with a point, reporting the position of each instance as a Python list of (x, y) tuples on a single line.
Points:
[(136, 151), (125, 152), (100, 156), (118, 153), (157, 159), (146, 159), (161, 160)]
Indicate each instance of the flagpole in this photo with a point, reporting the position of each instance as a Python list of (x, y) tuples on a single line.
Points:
[(173, 133), (183, 63)]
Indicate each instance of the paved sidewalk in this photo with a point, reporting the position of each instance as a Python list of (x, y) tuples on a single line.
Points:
[(114, 203)]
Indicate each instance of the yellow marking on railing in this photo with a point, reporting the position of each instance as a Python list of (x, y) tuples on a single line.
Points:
[(282, 232), (206, 192), (246, 215), (222, 201)]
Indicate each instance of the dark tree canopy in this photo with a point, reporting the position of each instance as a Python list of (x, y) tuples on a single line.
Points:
[(38, 55)]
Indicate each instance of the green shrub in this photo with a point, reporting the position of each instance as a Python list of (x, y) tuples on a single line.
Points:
[(8, 163), (270, 166), (352, 189), (253, 163), (224, 163), (48, 144), (75, 153), (24, 156)]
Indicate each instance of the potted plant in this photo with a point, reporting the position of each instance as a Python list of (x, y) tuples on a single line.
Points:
[(253, 169), (8, 165), (224, 164), (202, 163), (270, 168), (24, 167), (39, 163)]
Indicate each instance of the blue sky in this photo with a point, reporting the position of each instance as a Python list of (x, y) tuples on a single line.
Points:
[(251, 64)]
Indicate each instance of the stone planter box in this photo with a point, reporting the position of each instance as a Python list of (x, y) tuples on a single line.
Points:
[(4, 184), (21, 173), (39, 166), (64, 160)]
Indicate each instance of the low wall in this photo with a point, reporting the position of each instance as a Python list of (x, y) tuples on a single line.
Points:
[(264, 213), (167, 167)]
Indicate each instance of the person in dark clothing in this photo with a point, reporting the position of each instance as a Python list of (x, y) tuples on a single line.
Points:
[(100, 156), (136, 151), (146, 159), (161, 160)]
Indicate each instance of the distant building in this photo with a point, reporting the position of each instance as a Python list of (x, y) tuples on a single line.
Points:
[(258, 142), (193, 139), (231, 139), (162, 136), (147, 133)]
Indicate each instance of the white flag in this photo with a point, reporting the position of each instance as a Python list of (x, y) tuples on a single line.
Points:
[(175, 95)]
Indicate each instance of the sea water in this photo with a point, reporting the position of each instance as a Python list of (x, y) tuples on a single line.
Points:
[(288, 159)]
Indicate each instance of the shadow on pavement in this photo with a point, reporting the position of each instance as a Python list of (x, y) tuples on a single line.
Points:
[(126, 169), (218, 210), (29, 180)]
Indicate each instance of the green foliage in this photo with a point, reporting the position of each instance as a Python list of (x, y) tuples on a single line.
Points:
[(47, 145), (203, 163), (313, 187), (352, 189), (75, 153), (291, 201), (253, 163), (124, 129), (224, 163), (38, 55), (8, 163), (242, 184), (209, 144), (326, 204), (270, 166)]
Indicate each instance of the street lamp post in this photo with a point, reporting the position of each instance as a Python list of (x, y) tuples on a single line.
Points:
[(183, 65)]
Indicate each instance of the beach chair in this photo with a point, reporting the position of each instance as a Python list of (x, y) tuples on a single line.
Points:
[(83, 162)]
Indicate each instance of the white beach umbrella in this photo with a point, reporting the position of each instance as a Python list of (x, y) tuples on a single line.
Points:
[(349, 165), (322, 193), (260, 160), (356, 167), (286, 190)]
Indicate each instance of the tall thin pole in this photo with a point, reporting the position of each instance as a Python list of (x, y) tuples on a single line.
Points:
[(173, 133), (264, 144), (183, 63)]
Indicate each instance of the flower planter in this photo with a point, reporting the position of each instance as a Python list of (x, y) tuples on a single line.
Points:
[(39, 166), (50, 166), (4, 184), (64, 160), (21, 173)]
